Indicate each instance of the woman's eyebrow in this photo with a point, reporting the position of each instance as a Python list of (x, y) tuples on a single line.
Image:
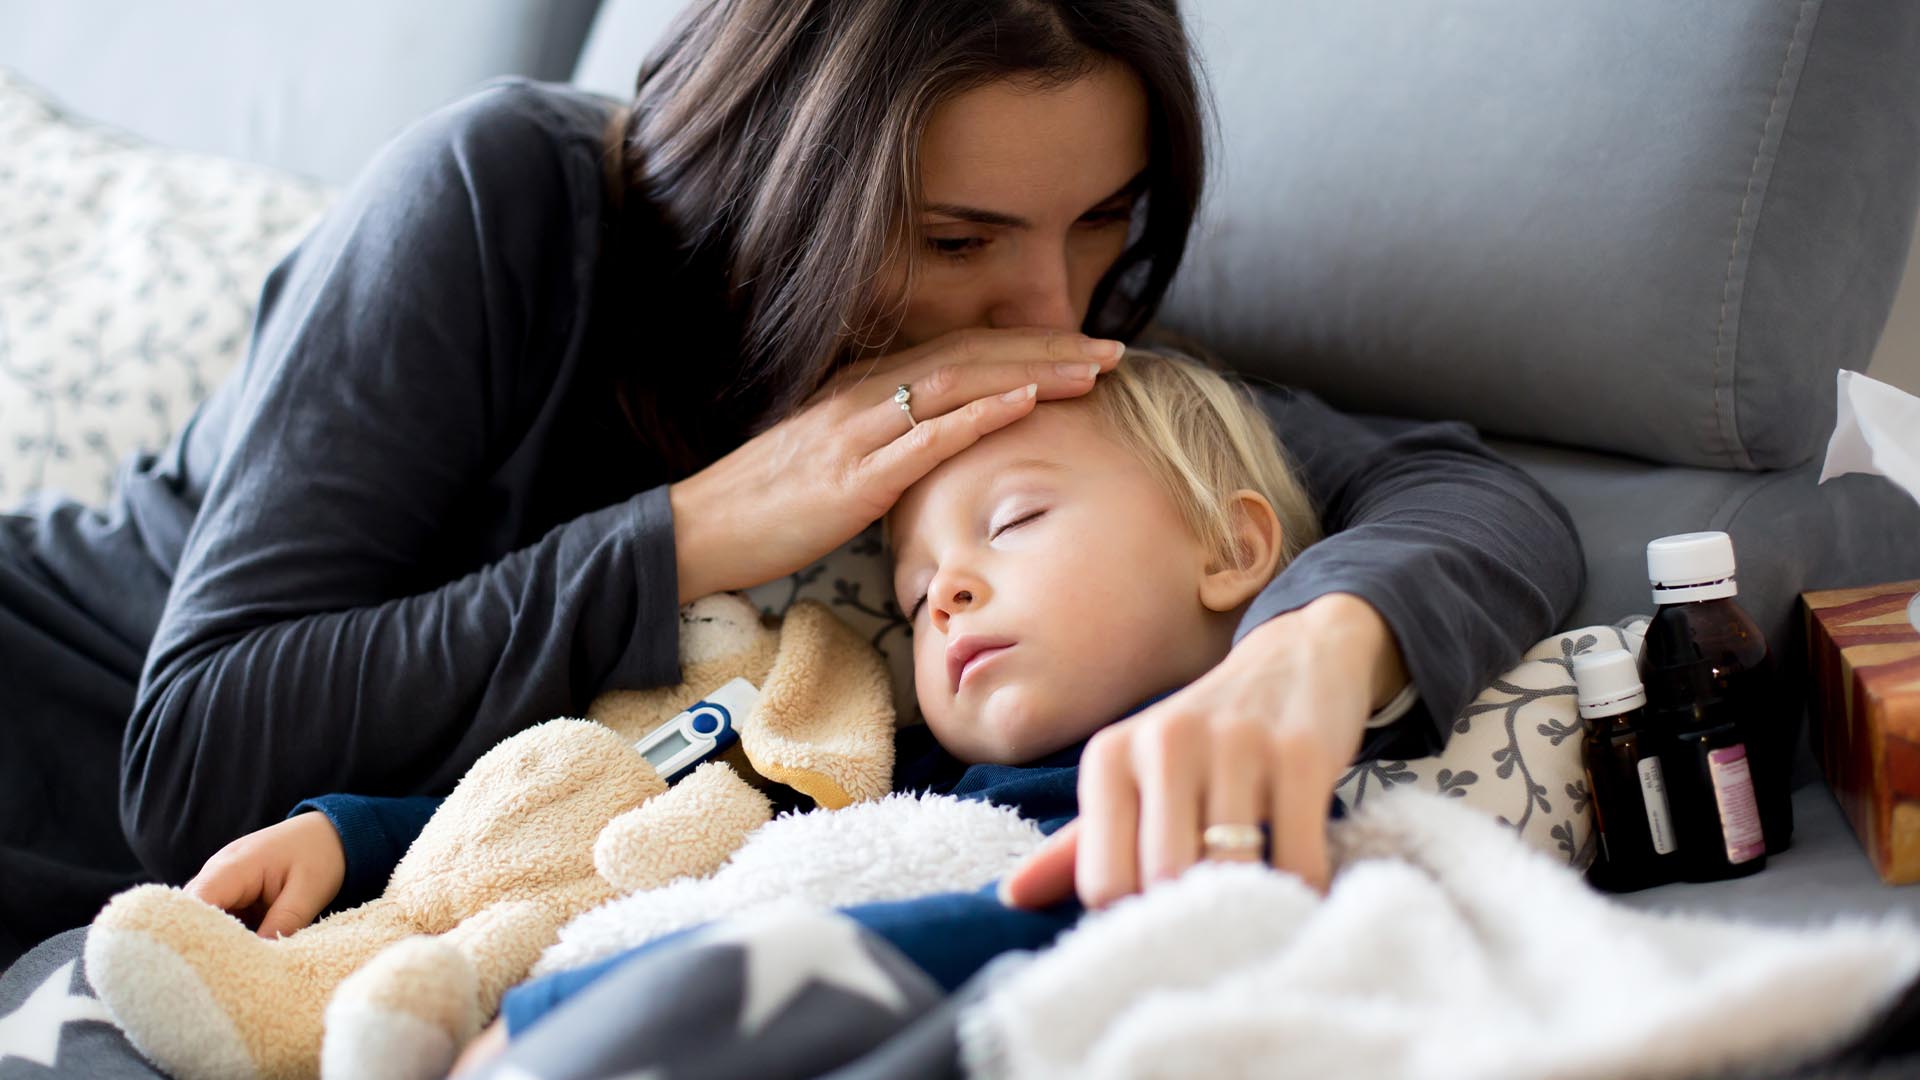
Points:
[(996, 218)]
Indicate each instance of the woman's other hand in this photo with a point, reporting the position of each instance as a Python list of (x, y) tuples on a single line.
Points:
[(283, 875), (1261, 739), (812, 481)]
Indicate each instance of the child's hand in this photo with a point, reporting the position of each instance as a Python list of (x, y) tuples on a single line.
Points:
[(489, 1044), (284, 874)]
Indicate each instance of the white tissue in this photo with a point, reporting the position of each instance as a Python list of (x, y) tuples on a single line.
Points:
[(1878, 432)]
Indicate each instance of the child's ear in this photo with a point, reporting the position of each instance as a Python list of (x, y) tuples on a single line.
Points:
[(1257, 539)]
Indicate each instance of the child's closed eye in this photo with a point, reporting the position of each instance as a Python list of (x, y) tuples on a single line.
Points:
[(1014, 524), (913, 611)]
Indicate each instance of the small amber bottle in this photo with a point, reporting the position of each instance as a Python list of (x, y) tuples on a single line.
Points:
[(1625, 775)]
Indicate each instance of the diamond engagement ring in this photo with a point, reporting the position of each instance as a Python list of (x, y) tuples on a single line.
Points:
[(904, 395), (1237, 843)]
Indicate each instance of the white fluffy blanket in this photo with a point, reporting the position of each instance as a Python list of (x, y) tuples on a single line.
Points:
[(897, 848), (1444, 949)]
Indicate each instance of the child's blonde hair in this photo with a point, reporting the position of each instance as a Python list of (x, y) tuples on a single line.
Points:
[(1206, 438)]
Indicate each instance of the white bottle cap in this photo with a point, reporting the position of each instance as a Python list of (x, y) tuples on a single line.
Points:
[(1608, 683), (1691, 566)]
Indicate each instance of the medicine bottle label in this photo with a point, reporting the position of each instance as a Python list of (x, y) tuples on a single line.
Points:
[(1739, 813), (1653, 792)]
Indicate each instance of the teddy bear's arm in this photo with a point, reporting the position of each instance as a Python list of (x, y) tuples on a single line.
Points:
[(688, 831)]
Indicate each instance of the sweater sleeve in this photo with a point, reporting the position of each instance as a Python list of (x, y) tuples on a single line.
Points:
[(308, 644), (1465, 556), (374, 833)]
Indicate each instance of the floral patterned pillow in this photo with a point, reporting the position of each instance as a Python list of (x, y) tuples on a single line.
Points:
[(128, 278), (1515, 751)]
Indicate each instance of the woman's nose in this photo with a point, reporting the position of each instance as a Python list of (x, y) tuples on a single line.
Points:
[(1040, 293)]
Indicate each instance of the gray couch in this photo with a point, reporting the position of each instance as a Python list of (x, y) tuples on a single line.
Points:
[(1632, 243)]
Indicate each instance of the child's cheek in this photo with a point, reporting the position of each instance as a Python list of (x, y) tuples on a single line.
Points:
[(1013, 723), (930, 677)]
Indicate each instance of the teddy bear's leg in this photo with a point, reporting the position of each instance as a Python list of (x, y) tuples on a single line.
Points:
[(688, 832), (406, 1015), (202, 996)]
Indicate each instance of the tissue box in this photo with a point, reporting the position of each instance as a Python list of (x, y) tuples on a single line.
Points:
[(1864, 655)]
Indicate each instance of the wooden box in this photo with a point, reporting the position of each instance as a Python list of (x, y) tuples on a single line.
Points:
[(1864, 657)]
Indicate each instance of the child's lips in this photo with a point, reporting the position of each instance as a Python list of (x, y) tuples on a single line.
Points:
[(980, 658), (966, 654)]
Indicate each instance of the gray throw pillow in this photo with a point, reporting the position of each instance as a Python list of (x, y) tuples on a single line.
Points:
[(1637, 226)]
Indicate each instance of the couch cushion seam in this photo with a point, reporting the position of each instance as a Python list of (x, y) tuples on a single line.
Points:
[(1723, 358), (1736, 504)]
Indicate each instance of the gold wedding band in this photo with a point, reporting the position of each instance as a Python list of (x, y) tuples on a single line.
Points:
[(904, 396), (1236, 842)]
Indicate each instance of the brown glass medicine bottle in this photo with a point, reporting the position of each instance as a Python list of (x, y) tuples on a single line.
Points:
[(1696, 622), (1638, 848)]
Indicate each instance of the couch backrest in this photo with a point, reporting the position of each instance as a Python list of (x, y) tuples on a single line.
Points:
[(314, 88), (1637, 226)]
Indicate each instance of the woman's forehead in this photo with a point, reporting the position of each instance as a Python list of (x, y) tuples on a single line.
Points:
[(1036, 151)]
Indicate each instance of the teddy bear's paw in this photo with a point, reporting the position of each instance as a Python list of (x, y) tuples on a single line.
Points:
[(196, 991), (403, 1016), (688, 832)]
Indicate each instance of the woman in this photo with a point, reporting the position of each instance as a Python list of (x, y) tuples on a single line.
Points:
[(549, 369)]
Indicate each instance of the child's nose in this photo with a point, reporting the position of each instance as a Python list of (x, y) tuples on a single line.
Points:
[(957, 601)]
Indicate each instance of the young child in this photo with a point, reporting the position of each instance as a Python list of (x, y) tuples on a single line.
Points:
[(1059, 575)]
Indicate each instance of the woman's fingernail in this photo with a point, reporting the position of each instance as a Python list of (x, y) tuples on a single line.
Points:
[(1102, 348), (1077, 371), (1020, 395)]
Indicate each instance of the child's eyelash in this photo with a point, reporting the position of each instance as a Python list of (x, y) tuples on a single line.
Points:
[(1016, 523), (914, 611)]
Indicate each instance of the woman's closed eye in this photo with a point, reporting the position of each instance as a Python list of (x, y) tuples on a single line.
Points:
[(1109, 215), (958, 248)]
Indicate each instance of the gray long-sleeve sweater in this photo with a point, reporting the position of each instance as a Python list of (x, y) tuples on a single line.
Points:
[(399, 533)]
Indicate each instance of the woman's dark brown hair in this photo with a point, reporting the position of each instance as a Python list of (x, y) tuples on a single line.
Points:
[(774, 145)]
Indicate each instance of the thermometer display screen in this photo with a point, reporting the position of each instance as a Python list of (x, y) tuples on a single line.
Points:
[(670, 744)]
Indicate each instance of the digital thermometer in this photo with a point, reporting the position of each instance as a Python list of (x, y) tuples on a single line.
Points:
[(705, 730)]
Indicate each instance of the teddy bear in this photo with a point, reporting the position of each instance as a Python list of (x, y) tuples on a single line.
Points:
[(552, 822)]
